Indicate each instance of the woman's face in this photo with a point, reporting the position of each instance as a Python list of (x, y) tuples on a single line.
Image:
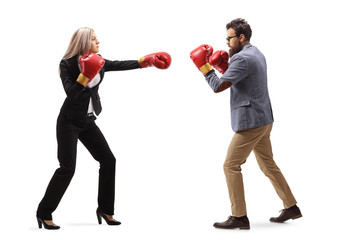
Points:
[(94, 44)]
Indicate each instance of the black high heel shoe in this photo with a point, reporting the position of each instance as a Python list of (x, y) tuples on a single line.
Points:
[(46, 226), (100, 214)]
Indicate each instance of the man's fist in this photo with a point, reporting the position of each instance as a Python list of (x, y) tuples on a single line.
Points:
[(200, 57), (219, 60), (160, 60)]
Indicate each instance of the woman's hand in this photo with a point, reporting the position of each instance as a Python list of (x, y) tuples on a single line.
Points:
[(160, 60), (90, 65)]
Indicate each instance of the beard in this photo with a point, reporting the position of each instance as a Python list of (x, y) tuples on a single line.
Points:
[(235, 50)]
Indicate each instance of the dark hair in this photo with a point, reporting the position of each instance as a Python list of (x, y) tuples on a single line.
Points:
[(241, 27)]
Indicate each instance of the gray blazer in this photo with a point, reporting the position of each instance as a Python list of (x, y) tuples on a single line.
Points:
[(249, 97)]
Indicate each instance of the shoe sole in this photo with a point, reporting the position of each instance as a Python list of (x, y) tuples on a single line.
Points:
[(293, 218), (241, 228), (244, 228), (296, 217)]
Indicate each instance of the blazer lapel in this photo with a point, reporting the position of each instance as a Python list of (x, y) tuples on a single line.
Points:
[(102, 71)]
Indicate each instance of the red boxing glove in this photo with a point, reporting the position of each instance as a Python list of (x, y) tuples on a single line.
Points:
[(160, 60), (200, 57), (90, 65), (219, 60)]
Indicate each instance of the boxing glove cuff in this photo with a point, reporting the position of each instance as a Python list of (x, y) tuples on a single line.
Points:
[(141, 59), (205, 68), (143, 63), (83, 80)]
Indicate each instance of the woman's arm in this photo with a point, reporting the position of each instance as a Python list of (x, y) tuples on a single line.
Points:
[(120, 65), (161, 60), (72, 87)]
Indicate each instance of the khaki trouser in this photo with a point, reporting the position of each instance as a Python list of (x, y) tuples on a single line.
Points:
[(243, 142)]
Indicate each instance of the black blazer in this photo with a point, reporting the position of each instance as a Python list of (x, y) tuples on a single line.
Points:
[(77, 101)]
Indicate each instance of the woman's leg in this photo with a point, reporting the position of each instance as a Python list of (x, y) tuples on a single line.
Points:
[(67, 135), (97, 145)]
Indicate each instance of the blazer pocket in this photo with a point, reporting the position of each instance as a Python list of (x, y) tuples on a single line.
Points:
[(243, 104)]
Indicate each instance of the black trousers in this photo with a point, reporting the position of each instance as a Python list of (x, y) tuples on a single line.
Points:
[(68, 133)]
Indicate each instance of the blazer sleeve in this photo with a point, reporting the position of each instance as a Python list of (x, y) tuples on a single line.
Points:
[(237, 71), (72, 88), (120, 65)]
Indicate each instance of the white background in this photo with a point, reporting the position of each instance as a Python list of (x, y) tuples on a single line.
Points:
[(169, 131)]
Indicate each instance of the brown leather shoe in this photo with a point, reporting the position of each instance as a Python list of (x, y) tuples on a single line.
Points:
[(286, 214), (234, 222)]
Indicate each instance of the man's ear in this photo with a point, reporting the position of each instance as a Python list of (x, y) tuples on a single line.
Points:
[(242, 39)]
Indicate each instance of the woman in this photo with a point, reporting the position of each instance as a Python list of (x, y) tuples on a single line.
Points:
[(81, 72)]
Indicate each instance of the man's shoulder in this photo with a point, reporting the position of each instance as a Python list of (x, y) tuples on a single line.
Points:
[(248, 53)]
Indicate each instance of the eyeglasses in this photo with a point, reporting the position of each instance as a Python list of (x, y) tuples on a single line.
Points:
[(229, 38)]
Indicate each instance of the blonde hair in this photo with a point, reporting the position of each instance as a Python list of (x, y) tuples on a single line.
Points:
[(80, 43)]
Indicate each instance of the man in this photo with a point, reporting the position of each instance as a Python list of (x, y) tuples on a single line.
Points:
[(251, 118)]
